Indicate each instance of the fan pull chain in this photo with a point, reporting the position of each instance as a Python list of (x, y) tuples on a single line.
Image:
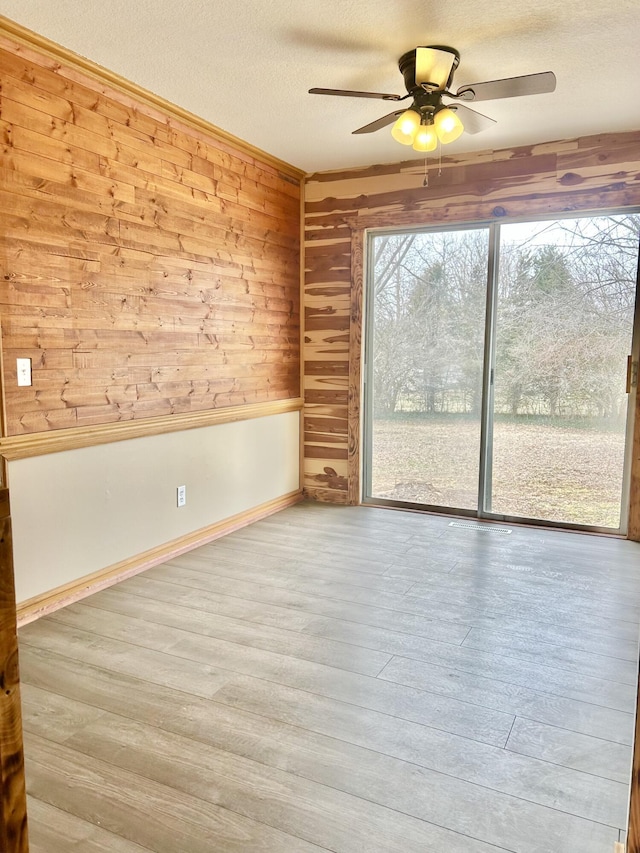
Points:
[(439, 159), (425, 183)]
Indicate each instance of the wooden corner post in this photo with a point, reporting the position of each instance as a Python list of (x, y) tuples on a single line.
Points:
[(13, 798), (633, 834)]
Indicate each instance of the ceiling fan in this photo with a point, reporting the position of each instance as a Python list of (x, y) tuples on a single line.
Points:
[(428, 76)]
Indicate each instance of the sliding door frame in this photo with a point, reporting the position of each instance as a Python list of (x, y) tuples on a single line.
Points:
[(487, 409), (367, 367), (632, 407), (488, 367)]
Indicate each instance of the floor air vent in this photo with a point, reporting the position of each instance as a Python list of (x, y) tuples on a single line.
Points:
[(487, 528)]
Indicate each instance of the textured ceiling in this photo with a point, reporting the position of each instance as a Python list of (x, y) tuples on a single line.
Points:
[(246, 66)]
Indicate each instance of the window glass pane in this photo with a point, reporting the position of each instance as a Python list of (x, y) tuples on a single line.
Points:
[(428, 307), (563, 332)]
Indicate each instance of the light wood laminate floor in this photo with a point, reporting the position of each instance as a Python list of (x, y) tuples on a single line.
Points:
[(343, 679)]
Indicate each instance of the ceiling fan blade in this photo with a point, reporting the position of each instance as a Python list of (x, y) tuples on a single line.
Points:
[(510, 87), (379, 122), (473, 121), (434, 66), (346, 93)]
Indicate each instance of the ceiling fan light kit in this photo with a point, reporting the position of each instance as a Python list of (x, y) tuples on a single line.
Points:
[(441, 125), (406, 127), (425, 139), (428, 76), (448, 125)]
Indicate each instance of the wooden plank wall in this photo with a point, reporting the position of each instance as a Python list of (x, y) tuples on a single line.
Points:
[(13, 798), (147, 267), (633, 834), (584, 174)]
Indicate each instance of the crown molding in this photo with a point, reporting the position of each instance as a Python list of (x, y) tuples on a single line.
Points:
[(24, 37)]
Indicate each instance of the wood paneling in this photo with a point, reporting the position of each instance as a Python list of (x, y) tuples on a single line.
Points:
[(633, 836), (13, 803), (599, 172), (149, 268), (634, 494), (355, 361)]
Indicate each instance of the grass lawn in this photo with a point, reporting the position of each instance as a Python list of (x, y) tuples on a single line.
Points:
[(545, 471)]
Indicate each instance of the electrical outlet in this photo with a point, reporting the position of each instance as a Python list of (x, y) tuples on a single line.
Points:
[(182, 495), (23, 366)]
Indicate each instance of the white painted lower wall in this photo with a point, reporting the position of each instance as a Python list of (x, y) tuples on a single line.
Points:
[(80, 511)]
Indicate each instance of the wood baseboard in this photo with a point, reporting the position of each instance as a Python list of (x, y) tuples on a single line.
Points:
[(48, 602), (330, 496)]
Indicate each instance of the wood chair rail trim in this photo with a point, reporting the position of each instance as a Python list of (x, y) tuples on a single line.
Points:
[(38, 444)]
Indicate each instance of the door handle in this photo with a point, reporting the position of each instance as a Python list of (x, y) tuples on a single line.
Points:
[(632, 373)]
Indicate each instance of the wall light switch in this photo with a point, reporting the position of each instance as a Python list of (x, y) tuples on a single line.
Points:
[(24, 371), (182, 495)]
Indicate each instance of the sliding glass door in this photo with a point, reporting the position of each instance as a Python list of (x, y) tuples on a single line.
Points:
[(496, 369), (426, 341)]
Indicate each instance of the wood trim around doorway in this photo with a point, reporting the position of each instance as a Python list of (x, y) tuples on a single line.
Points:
[(13, 798)]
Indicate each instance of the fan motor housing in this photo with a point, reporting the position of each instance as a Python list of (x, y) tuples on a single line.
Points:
[(407, 66)]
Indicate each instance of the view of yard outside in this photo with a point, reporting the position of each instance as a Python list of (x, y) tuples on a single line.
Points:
[(566, 292), (541, 470)]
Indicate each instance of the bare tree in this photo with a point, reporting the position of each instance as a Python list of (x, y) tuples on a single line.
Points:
[(566, 296)]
